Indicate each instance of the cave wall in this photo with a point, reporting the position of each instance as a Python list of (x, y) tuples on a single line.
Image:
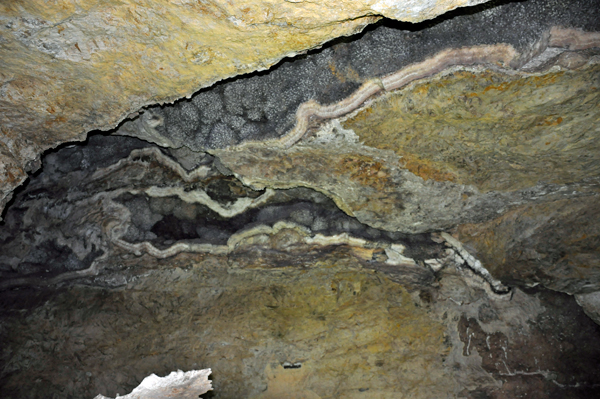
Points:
[(69, 67), (407, 212)]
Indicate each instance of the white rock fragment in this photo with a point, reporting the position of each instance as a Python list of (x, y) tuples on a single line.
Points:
[(396, 257), (590, 304), (334, 131), (435, 264), (462, 256), (177, 385), (417, 10), (338, 239)]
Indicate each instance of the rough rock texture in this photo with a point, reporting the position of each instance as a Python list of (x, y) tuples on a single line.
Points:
[(69, 67), (264, 105), (146, 202), (555, 244), (493, 131), (287, 297), (412, 212), (324, 326), (470, 143)]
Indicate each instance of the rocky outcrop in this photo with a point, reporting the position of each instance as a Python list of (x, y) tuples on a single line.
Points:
[(147, 203), (456, 149)]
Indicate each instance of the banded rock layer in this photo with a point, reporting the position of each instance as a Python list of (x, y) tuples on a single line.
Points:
[(69, 67), (409, 212)]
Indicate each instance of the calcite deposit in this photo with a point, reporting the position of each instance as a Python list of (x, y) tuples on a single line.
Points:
[(177, 385), (409, 211), (297, 322)]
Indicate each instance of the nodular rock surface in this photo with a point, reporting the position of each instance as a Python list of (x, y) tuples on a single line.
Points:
[(411, 212), (68, 67)]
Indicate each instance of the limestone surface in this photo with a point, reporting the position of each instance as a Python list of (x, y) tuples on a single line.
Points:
[(411, 212), (296, 322), (69, 67), (493, 131), (148, 203), (554, 244)]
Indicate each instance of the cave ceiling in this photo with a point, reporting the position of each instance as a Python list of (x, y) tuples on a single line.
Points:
[(413, 185), (69, 67)]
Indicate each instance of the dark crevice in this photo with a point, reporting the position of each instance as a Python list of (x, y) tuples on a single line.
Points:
[(157, 216)]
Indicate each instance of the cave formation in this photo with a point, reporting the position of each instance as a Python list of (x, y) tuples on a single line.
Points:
[(337, 200)]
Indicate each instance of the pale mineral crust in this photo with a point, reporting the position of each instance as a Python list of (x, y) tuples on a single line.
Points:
[(590, 304), (409, 212), (177, 385)]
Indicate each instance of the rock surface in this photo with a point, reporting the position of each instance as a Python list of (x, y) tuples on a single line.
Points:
[(289, 296), (493, 131), (469, 144), (324, 325), (177, 385), (68, 67), (147, 203), (411, 212), (554, 244)]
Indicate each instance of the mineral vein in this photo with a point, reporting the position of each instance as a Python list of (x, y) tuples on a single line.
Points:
[(500, 55), (156, 155), (474, 264)]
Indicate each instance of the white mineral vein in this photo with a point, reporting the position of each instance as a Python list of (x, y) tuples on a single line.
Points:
[(157, 155), (115, 227), (499, 55), (474, 264)]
